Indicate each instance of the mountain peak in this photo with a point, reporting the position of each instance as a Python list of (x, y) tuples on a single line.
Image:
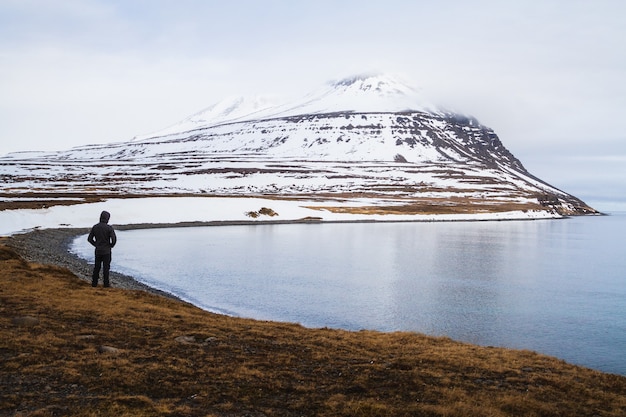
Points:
[(364, 93), (381, 84)]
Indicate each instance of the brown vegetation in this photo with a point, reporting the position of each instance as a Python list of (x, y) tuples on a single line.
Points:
[(264, 211), (426, 206), (72, 350)]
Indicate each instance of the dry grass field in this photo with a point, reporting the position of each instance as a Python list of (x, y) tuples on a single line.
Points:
[(71, 350)]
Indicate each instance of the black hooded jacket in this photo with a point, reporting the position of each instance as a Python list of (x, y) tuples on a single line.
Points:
[(102, 235)]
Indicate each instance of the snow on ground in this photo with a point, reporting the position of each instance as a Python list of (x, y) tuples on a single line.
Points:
[(163, 210)]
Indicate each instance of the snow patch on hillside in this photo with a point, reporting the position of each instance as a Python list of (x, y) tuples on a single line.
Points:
[(210, 209)]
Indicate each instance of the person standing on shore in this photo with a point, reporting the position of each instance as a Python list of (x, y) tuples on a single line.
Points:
[(102, 237)]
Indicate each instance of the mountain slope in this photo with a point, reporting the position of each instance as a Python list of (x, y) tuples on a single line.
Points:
[(365, 137)]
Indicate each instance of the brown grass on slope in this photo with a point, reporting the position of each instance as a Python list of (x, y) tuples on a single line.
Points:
[(72, 350)]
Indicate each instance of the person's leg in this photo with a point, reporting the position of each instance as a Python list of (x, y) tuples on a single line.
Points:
[(106, 261), (96, 271)]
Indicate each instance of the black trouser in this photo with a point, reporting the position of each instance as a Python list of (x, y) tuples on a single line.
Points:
[(103, 261)]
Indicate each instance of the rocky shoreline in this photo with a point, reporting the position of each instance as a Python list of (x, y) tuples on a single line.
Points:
[(51, 246)]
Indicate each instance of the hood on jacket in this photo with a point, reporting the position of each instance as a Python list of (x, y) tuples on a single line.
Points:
[(104, 217)]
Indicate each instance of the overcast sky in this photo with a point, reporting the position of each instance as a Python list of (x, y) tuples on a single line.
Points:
[(549, 76)]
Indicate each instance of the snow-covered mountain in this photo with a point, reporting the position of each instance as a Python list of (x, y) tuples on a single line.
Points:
[(362, 94), (369, 137)]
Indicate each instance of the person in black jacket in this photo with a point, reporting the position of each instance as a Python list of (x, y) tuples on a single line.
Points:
[(102, 236)]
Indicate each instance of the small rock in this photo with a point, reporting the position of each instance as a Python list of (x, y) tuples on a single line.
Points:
[(108, 350), (268, 212), (25, 321), (186, 339)]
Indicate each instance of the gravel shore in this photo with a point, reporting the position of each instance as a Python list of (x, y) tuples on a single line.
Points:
[(51, 246)]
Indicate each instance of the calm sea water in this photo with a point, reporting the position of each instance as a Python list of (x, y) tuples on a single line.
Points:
[(554, 286)]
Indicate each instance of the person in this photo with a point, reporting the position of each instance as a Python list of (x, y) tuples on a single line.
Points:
[(102, 237)]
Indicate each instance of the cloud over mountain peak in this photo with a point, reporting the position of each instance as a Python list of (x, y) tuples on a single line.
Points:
[(382, 84), (364, 93)]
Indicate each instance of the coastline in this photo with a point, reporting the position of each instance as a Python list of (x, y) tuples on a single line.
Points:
[(51, 245), (70, 349)]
